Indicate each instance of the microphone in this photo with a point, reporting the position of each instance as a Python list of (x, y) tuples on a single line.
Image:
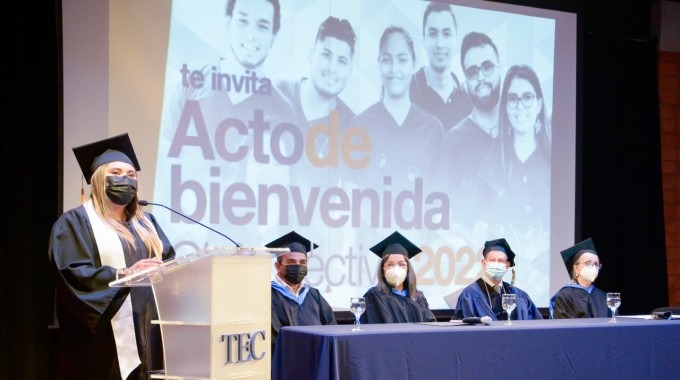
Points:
[(146, 203), (486, 320)]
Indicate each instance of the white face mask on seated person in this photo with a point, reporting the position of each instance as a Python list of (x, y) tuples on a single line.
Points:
[(495, 264), (395, 276), (495, 271), (589, 273)]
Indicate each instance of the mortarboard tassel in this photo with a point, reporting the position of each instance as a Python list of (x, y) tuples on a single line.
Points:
[(82, 190), (512, 282)]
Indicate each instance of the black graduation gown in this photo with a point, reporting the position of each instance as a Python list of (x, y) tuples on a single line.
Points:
[(393, 308), (85, 303), (572, 302), (286, 312)]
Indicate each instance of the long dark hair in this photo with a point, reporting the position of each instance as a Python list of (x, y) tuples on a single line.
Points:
[(409, 282), (543, 130)]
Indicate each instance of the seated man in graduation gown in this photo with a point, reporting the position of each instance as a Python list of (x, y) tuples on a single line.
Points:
[(483, 297), (580, 298), (294, 303), (396, 298)]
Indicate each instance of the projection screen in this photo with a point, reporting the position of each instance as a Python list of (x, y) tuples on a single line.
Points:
[(218, 112)]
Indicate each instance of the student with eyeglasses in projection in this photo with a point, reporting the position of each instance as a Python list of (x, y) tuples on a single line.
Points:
[(470, 139), (517, 170)]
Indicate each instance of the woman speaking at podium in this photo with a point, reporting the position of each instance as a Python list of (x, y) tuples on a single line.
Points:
[(105, 332)]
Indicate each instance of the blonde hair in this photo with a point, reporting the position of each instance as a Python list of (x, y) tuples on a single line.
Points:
[(139, 222)]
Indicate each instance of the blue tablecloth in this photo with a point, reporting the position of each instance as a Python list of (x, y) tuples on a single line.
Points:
[(542, 349)]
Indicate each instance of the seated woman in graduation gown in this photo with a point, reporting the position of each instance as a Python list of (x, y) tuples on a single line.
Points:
[(294, 302), (580, 298), (396, 298), (483, 297)]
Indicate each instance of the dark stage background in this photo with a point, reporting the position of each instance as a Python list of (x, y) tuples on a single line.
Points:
[(619, 192)]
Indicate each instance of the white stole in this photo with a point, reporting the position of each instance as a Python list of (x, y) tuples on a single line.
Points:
[(111, 254)]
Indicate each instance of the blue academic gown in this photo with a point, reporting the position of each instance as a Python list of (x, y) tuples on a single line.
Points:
[(474, 302)]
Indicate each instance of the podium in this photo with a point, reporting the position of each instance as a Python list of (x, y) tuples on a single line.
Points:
[(214, 309)]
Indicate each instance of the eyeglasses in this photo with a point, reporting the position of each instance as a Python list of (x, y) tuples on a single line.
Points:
[(591, 264), (392, 265), (528, 99), (487, 69)]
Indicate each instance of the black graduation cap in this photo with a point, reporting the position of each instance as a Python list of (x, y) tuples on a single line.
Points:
[(572, 254), (395, 243), (93, 155), (294, 242), (500, 245)]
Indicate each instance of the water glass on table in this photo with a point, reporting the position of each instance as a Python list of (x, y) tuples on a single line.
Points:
[(613, 303), (357, 307), (509, 303)]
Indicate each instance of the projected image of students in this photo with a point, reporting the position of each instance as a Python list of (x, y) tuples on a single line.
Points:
[(404, 137), (235, 85), (217, 126), (435, 87), (316, 98), (519, 170), (466, 144)]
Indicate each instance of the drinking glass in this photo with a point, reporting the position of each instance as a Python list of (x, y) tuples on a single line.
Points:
[(357, 307), (509, 304), (613, 302)]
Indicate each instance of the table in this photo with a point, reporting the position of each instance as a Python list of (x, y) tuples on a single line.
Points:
[(548, 349)]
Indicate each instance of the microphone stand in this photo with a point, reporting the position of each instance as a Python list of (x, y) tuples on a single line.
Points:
[(145, 203)]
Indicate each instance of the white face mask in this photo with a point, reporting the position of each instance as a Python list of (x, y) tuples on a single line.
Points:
[(589, 273), (495, 271), (395, 276)]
